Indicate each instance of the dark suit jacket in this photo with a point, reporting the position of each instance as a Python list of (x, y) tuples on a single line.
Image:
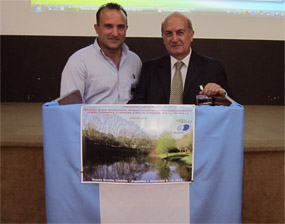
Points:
[(154, 84)]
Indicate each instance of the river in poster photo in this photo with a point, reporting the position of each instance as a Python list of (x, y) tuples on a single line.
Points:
[(137, 143)]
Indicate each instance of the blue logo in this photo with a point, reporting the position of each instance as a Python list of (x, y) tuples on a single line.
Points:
[(183, 127)]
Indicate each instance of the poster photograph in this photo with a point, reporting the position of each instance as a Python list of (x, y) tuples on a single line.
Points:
[(137, 143)]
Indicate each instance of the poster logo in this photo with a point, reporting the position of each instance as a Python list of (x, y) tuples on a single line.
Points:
[(184, 126)]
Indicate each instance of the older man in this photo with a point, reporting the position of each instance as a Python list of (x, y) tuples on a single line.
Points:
[(178, 77)]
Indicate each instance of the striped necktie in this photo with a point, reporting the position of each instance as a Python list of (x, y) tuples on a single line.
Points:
[(176, 93)]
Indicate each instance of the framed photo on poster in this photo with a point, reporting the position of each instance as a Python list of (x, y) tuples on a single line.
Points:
[(137, 143)]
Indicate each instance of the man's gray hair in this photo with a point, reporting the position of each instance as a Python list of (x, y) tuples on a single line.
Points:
[(177, 13)]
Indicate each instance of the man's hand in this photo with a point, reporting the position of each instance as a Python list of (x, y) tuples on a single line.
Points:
[(212, 89)]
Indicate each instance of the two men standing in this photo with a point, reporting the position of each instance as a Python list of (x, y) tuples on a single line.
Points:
[(106, 71)]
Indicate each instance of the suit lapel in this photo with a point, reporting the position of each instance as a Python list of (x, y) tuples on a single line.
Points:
[(192, 73), (164, 75)]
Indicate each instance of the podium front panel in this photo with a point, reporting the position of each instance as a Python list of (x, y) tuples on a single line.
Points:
[(214, 196)]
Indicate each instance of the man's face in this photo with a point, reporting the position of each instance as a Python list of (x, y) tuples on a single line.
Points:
[(111, 30), (176, 36)]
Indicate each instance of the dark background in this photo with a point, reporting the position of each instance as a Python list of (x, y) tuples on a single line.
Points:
[(31, 66)]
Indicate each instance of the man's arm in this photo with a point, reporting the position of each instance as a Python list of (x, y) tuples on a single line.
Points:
[(73, 77), (218, 86), (140, 93)]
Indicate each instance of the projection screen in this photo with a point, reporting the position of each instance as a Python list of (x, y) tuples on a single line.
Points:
[(245, 19)]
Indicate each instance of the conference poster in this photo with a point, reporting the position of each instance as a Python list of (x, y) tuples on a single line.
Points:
[(137, 143)]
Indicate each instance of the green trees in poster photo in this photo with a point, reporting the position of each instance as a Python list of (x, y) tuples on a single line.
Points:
[(175, 150)]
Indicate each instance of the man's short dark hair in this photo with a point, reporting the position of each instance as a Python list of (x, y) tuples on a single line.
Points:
[(110, 5)]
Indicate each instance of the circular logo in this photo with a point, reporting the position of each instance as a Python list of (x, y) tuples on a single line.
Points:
[(183, 127)]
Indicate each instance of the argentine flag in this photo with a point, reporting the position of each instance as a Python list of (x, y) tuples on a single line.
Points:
[(213, 197)]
